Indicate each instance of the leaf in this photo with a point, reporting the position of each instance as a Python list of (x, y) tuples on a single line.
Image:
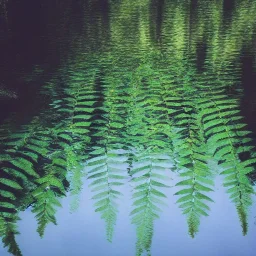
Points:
[(185, 182), (185, 191), (137, 210), (24, 165), (202, 188), (185, 198), (101, 195), (97, 175), (10, 183), (202, 196), (157, 193), (159, 184)]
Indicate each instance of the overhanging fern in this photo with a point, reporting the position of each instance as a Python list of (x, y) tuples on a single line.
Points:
[(107, 164), (8, 231), (146, 140), (148, 179), (226, 139), (137, 108), (190, 148)]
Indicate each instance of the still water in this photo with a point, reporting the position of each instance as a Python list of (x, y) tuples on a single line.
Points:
[(128, 129)]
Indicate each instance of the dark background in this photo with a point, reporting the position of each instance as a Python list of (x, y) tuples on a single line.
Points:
[(37, 33)]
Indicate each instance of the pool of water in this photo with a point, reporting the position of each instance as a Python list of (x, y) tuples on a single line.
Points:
[(132, 129)]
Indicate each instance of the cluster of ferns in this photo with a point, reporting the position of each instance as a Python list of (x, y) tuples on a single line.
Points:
[(113, 124)]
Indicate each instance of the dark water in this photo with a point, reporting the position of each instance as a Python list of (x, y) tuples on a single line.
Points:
[(127, 127)]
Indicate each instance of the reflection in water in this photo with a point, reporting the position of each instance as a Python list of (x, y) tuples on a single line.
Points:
[(148, 89)]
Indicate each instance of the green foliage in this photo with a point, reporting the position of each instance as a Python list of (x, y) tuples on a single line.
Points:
[(75, 177), (107, 162), (139, 108), (150, 148), (107, 176), (191, 160), (45, 206), (227, 138), (148, 181), (8, 230)]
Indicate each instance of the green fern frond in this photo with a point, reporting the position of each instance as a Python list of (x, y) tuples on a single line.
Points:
[(49, 188), (108, 160), (243, 216), (8, 230), (107, 177), (76, 173), (77, 104), (227, 138), (193, 198), (45, 208), (192, 160), (10, 183), (147, 173)]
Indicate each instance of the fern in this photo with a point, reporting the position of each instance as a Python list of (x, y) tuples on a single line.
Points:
[(227, 139), (50, 186), (76, 174), (146, 139), (148, 178), (71, 134), (108, 159), (107, 178), (45, 209), (195, 173), (189, 148), (197, 181), (18, 165), (138, 106), (8, 231), (46, 199)]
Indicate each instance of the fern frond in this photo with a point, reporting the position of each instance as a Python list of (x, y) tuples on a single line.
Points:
[(108, 160), (8, 230), (147, 195), (227, 138), (50, 187), (107, 174), (198, 182), (45, 207), (192, 161), (75, 175)]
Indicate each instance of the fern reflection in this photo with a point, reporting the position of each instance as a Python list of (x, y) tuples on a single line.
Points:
[(136, 110)]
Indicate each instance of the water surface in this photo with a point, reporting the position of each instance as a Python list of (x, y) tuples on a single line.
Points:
[(132, 133)]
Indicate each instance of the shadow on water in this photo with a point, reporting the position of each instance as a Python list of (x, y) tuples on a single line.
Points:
[(248, 102), (32, 46), (228, 6)]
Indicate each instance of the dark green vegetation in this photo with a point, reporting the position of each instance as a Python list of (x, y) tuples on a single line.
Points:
[(124, 105)]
